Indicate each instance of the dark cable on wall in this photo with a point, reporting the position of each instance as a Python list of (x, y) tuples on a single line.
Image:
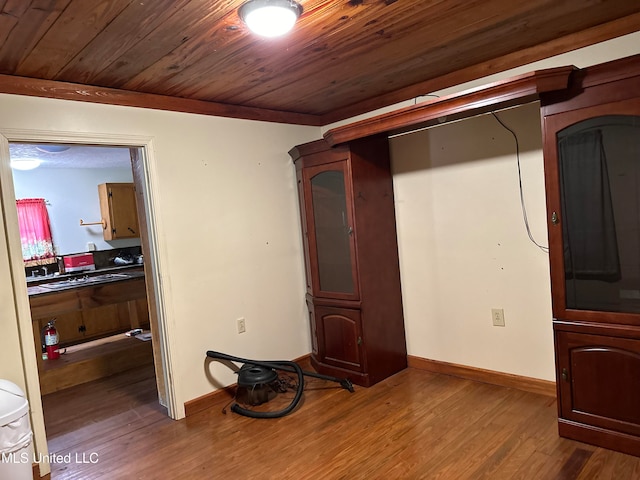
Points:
[(522, 204)]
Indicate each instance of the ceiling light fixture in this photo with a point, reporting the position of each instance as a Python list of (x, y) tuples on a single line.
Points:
[(25, 163), (270, 18), (52, 148)]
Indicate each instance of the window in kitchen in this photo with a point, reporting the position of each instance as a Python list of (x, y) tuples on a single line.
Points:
[(35, 231)]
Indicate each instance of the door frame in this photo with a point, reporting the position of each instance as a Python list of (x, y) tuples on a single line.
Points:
[(162, 349)]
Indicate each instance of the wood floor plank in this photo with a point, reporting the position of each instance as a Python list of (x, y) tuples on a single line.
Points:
[(414, 425)]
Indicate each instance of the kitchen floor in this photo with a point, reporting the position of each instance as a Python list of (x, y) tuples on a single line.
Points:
[(97, 412)]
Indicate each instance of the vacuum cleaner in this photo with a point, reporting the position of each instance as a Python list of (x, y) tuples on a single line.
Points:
[(258, 379)]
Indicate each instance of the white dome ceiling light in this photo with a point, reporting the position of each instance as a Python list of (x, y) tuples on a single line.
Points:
[(270, 18), (25, 163)]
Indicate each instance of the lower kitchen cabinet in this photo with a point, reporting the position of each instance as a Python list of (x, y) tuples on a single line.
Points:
[(599, 387), (83, 325), (90, 321)]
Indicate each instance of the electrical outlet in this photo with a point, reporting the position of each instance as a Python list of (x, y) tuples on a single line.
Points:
[(497, 314), (242, 327)]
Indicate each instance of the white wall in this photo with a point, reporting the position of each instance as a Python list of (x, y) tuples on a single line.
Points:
[(72, 194), (10, 351), (463, 245)]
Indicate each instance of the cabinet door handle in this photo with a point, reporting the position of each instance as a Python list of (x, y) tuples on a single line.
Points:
[(565, 375), (554, 218), (359, 340)]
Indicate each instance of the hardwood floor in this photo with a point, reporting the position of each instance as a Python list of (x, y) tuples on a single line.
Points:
[(414, 425)]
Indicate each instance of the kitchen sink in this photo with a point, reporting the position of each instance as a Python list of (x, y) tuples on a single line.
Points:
[(80, 281), (110, 276), (63, 284)]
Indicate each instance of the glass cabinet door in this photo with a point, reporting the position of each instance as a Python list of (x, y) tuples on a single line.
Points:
[(331, 233), (597, 257)]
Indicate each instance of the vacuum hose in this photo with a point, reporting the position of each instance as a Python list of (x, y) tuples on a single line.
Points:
[(278, 365)]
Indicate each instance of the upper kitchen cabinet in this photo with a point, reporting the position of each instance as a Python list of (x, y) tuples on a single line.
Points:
[(118, 209), (351, 259), (592, 172)]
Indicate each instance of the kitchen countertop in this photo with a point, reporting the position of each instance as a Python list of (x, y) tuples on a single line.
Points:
[(56, 277), (57, 283)]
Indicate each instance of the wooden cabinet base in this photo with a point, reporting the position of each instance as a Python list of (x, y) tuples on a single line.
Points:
[(94, 360), (600, 437)]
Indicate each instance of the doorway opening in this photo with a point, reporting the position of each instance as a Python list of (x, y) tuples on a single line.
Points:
[(69, 182)]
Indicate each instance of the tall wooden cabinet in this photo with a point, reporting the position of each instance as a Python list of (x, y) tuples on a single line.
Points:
[(592, 169), (351, 259)]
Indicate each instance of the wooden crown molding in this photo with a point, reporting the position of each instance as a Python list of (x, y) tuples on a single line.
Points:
[(111, 96), (501, 94)]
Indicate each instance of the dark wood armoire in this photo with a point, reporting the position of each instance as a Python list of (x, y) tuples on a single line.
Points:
[(351, 258), (591, 136)]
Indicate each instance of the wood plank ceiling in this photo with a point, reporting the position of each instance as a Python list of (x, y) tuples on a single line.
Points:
[(343, 58)]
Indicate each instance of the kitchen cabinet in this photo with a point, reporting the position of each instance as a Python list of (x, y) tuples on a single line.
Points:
[(91, 309), (118, 210), (90, 320), (591, 147), (83, 325), (351, 259)]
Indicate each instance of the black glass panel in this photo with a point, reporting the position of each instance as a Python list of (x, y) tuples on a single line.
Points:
[(600, 193), (332, 232)]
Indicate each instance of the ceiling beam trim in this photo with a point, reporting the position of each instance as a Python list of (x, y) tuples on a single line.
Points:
[(110, 96)]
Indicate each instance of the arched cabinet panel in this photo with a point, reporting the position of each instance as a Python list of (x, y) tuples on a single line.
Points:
[(342, 336), (600, 381)]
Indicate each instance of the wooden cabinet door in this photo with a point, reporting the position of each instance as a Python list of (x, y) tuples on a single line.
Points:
[(339, 332), (69, 327), (330, 235), (118, 207), (103, 321), (591, 167), (599, 380)]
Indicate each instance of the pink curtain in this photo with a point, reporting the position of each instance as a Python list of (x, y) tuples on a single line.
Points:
[(35, 231)]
